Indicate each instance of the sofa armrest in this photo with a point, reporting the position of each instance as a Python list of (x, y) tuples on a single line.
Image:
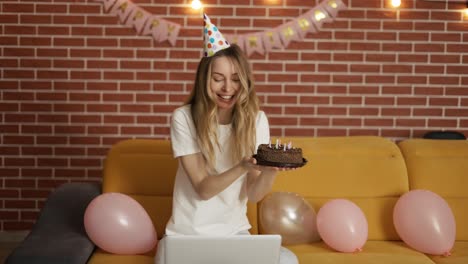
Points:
[(59, 235)]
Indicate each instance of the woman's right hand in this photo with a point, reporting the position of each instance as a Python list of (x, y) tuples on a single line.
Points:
[(248, 163)]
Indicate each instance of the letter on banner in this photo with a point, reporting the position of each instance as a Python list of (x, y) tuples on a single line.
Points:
[(159, 30), (107, 4), (138, 18), (254, 43), (288, 33), (172, 32), (122, 9), (156, 27), (318, 16), (271, 40), (333, 6), (304, 25), (236, 39)]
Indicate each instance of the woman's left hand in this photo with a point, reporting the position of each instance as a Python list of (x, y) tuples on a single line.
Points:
[(261, 178)]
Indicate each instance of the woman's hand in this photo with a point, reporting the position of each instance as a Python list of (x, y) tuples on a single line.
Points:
[(260, 178), (251, 163)]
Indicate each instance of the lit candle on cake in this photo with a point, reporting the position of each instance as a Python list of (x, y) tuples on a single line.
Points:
[(276, 143), (284, 148), (290, 145)]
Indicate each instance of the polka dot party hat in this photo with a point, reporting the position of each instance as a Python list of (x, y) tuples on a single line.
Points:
[(213, 39)]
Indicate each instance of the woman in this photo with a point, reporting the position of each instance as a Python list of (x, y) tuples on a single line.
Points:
[(214, 136)]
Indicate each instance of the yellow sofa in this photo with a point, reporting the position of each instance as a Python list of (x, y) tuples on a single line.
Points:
[(373, 172), (442, 167)]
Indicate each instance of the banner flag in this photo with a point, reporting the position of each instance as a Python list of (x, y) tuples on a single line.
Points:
[(304, 25), (137, 19), (107, 4), (236, 39), (254, 43), (172, 32), (271, 40), (122, 9), (318, 16), (288, 33), (333, 6)]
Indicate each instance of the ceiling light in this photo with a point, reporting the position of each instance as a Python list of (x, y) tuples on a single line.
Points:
[(396, 3), (196, 4)]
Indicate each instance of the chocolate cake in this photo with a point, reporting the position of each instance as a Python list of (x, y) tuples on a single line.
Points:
[(271, 154)]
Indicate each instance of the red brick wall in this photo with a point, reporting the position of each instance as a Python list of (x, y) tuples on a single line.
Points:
[(74, 81)]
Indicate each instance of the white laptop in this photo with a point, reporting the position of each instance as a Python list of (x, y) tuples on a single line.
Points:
[(238, 249)]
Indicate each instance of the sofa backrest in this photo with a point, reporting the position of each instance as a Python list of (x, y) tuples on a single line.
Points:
[(370, 171), (145, 169), (441, 166)]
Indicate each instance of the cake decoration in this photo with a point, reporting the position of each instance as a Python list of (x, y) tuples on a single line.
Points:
[(279, 155)]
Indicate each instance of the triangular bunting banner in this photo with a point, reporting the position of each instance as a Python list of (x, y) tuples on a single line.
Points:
[(280, 37), (142, 21)]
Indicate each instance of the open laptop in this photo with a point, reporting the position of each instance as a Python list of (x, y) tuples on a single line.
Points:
[(238, 249)]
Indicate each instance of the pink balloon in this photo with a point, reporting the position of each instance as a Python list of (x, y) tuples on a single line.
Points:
[(342, 225), (425, 222), (118, 224)]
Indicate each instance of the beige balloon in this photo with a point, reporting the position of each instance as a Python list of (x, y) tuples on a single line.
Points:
[(289, 215)]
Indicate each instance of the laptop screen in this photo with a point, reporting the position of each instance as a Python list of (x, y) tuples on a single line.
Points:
[(238, 249)]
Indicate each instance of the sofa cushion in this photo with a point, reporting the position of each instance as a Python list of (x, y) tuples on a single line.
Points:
[(382, 252), (459, 254), (144, 167), (367, 170), (59, 235), (442, 167), (347, 167), (102, 257)]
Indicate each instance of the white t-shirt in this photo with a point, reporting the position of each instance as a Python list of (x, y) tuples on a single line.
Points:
[(223, 214)]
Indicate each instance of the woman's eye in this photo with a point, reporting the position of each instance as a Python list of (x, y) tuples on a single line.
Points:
[(218, 80), (236, 80)]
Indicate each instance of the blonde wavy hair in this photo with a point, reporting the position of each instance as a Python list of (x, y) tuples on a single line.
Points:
[(204, 109)]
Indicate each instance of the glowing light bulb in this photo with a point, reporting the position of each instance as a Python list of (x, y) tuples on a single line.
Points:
[(196, 4), (396, 3)]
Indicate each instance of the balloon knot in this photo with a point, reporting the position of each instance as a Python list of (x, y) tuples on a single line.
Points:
[(358, 250), (446, 254)]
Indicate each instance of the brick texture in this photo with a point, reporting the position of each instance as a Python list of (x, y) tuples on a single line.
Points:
[(74, 81)]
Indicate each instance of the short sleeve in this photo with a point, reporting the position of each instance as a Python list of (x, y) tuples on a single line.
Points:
[(183, 133), (262, 129)]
